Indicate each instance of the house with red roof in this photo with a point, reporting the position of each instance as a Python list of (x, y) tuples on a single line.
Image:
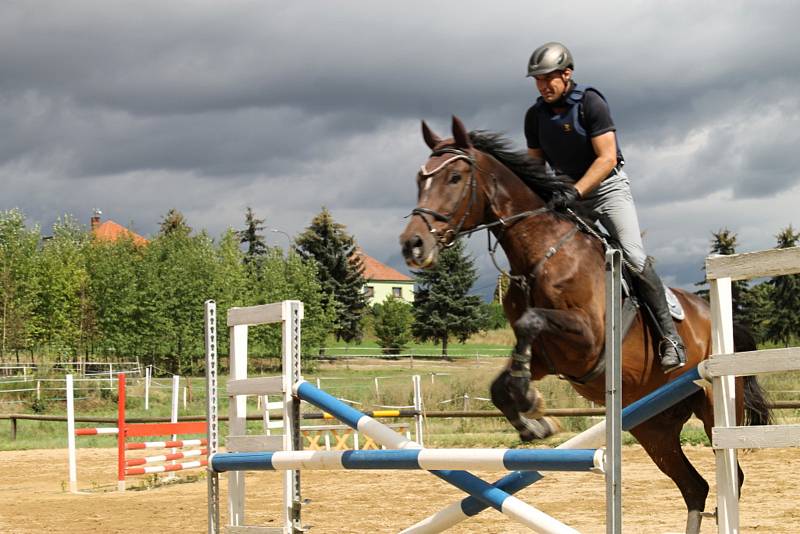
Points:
[(383, 281), (111, 231)]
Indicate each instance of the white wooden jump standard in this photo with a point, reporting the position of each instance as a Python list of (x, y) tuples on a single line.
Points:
[(290, 315), (725, 365)]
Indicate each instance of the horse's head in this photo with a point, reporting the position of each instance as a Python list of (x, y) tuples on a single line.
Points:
[(448, 200)]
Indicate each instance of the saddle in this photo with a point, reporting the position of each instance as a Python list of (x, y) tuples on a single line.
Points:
[(631, 302)]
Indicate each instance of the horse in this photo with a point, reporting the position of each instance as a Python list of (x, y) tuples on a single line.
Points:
[(556, 301)]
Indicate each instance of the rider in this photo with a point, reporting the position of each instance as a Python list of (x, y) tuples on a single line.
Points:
[(570, 128)]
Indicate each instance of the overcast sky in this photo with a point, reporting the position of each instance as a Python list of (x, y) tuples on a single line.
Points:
[(210, 106)]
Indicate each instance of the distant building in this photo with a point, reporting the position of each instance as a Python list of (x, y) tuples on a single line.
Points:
[(383, 281), (111, 231)]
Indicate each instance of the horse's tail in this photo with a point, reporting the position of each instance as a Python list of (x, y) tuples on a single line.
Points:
[(756, 408)]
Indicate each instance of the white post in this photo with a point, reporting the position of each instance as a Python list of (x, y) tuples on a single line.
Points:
[(38, 390), (212, 419), (148, 372), (237, 413), (73, 461), (176, 381), (418, 408), (111, 376), (264, 400), (724, 406), (613, 349), (292, 315), (184, 397), (377, 389)]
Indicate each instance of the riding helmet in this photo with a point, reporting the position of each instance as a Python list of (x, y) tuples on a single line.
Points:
[(548, 58)]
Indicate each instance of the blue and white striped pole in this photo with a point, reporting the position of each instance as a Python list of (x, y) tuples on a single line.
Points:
[(428, 459), (633, 415), (485, 493)]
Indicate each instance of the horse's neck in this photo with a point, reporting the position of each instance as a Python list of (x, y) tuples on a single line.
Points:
[(524, 241)]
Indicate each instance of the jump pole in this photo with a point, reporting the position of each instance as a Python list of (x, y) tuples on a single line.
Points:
[(484, 492), (631, 416)]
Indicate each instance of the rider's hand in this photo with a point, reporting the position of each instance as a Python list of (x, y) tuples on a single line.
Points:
[(561, 200)]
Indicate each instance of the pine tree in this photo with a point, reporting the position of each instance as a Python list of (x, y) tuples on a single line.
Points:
[(174, 221), (256, 247), (784, 324), (443, 309), (340, 271), (724, 243)]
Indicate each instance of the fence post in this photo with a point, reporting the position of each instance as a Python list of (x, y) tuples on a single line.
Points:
[(176, 383), (121, 430), (148, 373), (13, 429), (418, 408), (73, 469)]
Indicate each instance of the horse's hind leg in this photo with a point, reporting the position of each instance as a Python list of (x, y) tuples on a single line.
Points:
[(660, 437)]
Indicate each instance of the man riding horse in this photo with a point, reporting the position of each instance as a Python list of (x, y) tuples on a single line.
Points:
[(570, 128)]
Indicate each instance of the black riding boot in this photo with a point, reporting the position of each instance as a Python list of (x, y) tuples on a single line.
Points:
[(670, 348)]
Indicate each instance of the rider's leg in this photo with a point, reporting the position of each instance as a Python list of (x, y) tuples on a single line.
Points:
[(613, 205)]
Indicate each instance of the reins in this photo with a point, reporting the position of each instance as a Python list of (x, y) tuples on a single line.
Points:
[(523, 281)]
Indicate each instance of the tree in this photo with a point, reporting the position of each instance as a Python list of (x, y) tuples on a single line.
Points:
[(724, 243), (114, 271), (61, 320), (339, 270), (442, 307), (256, 247), (784, 323), (17, 256), (177, 278), (393, 321), (174, 221)]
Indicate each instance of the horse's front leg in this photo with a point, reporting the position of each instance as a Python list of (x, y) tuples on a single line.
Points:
[(523, 405)]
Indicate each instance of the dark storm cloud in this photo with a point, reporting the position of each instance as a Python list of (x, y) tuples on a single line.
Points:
[(290, 106)]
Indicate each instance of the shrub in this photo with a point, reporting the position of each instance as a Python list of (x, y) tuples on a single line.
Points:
[(393, 325)]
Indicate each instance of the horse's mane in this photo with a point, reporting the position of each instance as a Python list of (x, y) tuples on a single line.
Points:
[(519, 163)]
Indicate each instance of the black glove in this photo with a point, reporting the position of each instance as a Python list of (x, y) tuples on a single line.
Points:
[(561, 200)]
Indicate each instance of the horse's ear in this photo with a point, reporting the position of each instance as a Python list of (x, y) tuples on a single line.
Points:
[(431, 139), (460, 135)]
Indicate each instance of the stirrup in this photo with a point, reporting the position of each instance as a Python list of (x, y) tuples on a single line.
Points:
[(680, 352)]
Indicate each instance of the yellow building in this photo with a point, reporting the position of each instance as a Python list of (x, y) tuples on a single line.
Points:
[(383, 281)]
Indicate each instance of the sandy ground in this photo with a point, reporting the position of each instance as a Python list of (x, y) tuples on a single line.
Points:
[(33, 497)]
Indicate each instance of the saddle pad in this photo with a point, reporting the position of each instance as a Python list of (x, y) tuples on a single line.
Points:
[(675, 308)]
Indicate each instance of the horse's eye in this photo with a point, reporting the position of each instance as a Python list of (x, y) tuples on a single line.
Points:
[(455, 177)]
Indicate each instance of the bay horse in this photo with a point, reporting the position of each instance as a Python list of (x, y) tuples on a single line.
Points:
[(557, 305)]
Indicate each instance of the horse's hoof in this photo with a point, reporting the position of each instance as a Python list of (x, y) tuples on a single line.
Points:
[(537, 428), (537, 406)]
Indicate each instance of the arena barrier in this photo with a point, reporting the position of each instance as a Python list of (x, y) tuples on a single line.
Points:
[(131, 466), (345, 438), (267, 452), (725, 365)]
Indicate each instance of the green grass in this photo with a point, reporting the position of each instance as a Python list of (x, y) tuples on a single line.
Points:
[(354, 379)]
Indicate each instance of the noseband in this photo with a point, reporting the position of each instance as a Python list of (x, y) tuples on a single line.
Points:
[(449, 236)]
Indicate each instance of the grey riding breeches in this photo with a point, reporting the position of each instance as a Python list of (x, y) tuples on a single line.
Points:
[(611, 203)]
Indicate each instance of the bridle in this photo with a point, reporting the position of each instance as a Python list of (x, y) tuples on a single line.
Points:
[(447, 238)]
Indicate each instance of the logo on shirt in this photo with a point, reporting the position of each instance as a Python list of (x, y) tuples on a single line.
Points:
[(567, 127)]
